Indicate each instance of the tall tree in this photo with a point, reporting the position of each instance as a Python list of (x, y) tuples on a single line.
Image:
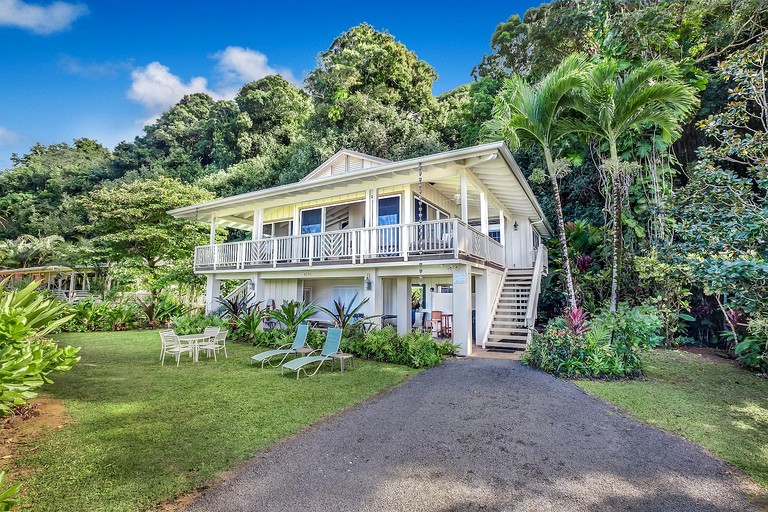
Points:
[(617, 107), (131, 225), (534, 115), (374, 95)]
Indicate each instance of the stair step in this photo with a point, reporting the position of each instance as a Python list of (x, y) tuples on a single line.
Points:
[(509, 332), (497, 344), (508, 337)]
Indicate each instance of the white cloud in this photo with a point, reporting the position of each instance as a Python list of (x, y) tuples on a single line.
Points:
[(238, 65), (40, 19), (156, 88), (7, 137)]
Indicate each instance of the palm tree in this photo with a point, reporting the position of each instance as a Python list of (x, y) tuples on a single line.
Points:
[(533, 115), (614, 105)]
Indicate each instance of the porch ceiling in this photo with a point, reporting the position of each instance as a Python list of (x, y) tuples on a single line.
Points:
[(490, 167)]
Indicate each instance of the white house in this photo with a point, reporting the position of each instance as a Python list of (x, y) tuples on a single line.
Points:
[(463, 226)]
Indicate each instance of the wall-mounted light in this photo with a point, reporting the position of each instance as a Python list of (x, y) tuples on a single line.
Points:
[(368, 282), (515, 226)]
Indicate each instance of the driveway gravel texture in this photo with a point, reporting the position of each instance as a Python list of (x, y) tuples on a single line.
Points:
[(481, 434)]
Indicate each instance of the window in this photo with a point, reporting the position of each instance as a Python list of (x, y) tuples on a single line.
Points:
[(495, 234), (389, 211), (306, 295), (428, 212), (312, 221), (350, 296), (274, 229), (536, 241)]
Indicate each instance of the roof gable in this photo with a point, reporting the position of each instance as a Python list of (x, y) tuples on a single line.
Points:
[(343, 162)]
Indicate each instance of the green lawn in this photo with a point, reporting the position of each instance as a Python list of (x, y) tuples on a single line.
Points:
[(716, 404), (143, 433)]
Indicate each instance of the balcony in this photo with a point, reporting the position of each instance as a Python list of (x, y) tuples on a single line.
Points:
[(432, 240)]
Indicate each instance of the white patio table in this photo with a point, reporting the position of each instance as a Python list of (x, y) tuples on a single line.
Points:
[(195, 340)]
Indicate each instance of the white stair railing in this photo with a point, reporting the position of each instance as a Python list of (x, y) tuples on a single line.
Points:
[(539, 270)]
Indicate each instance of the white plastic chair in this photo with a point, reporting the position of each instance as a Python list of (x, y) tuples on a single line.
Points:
[(165, 342), (173, 345), (219, 342)]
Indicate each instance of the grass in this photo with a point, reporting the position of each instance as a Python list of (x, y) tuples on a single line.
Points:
[(716, 404), (142, 433)]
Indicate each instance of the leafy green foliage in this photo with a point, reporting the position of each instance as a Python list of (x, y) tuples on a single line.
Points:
[(26, 356), (159, 310), (752, 350), (196, 323), (415, 349), (609, 348), (291, 313), (7, 494)]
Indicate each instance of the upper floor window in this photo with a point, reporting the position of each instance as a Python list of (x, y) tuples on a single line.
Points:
[(311, 221), (389, 211)]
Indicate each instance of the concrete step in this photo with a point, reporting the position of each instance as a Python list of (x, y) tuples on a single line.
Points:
[(501, 344)]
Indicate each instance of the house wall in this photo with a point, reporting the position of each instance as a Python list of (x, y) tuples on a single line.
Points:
[(280, 290), (519, 243)]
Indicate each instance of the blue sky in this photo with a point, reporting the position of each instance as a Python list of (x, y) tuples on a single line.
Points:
[(100, 69)]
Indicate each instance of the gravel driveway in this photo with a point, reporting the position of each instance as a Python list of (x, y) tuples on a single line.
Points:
[(481, 434)]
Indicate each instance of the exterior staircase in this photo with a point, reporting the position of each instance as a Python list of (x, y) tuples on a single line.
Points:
[(508, 327)]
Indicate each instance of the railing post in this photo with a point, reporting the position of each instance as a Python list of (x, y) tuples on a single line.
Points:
[(241, 255), (455, 238), (215, 256), (353, 242), (274, 253), (311, 249), (405, 239)]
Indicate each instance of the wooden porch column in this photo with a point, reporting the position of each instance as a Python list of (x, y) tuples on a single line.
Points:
[(403, 305), (463, 193), (407, 218), (484, 213), (258, 223), (212, 291), (212, 239), (503, 235), (462, 310)]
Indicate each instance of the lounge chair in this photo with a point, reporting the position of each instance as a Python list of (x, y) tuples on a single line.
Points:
[(285, 350), (330, 349)]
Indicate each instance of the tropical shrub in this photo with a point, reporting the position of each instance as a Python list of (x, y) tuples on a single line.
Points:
[(248, 324), (91, 314), (607, 347), (415, 349), (26, 356), (291, 313), (7, 495), (272, 338), (196, 323), (752, 350), (160, 310), (346, 315)]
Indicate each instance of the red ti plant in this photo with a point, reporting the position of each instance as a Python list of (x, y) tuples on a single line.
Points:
[(583, 262), (576, 321)]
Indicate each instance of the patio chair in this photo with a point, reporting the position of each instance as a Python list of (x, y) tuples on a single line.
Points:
[(285, 350), (330, 349), (165, 342), (174, 347), (436, 323), (216, 343)]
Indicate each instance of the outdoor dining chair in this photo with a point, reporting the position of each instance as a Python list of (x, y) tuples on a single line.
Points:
[(217, 343), (174, 346)]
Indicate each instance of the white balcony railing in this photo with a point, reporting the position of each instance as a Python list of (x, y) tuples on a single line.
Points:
[(449, 238)]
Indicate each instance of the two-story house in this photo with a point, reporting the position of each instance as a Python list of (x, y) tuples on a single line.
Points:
[(459, 230)]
